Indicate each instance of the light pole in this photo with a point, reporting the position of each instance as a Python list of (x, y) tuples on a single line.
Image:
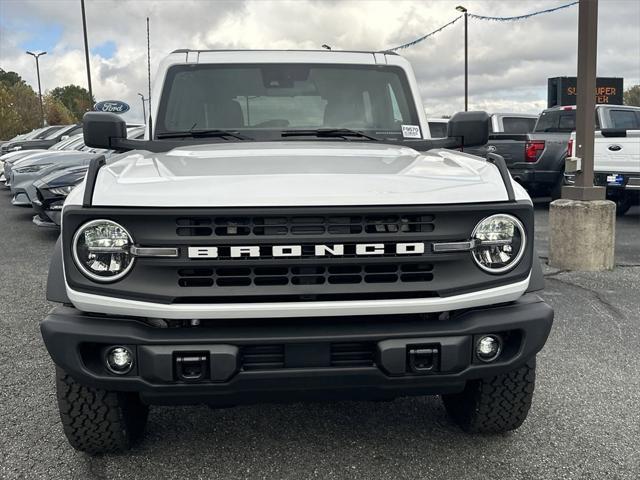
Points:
[(36, 56), (86, 49), (466, 57), (144, 112)]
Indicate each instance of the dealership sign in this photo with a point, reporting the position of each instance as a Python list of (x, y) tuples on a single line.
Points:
[(563, 91), (111, 106)]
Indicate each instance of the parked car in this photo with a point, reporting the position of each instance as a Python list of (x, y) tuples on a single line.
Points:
[(37, 133), (617, 158), (51, 192), (21, 136), (53, 135), (300, 236), (16, 158), (438, 127), (27, 171)]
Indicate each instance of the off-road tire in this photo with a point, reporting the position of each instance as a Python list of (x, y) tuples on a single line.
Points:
[(496, 404), (99, 421)]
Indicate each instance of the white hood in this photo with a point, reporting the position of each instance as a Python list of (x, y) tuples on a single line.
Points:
[(295, 173)]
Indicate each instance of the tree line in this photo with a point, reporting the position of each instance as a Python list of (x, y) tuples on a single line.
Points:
[(20, 105)]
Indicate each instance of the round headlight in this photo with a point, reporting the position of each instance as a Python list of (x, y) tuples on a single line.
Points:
[(101, 250), (499, 243)]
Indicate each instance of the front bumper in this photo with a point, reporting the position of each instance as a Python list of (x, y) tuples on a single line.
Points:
[(257, 360), (20, 198)]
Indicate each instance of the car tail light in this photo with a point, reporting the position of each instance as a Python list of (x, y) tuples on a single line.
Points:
[(570, 148), (532, 150)]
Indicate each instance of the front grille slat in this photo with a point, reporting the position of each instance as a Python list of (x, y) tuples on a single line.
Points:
[(294, 275), (299, 225)]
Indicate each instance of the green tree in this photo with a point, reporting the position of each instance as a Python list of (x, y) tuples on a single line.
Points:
[(27, 104), (9, 118), (19, 107), (632, 96), (18, 101), (75, 98), (10, 79), (55, 112)]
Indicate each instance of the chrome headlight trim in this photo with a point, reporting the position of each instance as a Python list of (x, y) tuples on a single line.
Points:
[(87, 273), (518, 224)]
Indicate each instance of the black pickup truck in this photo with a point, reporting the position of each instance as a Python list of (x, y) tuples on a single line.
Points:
[(536, 159)]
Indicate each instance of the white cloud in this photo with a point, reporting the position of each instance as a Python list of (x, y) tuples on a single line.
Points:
[(509, 62)]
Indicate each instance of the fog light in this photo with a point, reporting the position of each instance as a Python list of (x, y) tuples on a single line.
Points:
[(119, 360), (488, 348)]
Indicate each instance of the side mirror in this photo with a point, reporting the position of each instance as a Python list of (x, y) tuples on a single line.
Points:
[(101, 129), (471, 129), (613, 132)]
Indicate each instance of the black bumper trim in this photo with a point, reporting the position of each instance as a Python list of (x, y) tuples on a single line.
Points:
[(69, 334)]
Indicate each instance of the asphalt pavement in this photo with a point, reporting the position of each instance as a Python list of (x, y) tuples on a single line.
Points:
[(584, 422)]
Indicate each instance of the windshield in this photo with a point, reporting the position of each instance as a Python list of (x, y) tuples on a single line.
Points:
[(54, 133), (560, 121), (518, 124), (438, 129), (33, 134), (557, 121), (264, 100), (65, 144)]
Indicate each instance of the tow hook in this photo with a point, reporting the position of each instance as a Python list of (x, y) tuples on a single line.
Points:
[(423, 359), (192, 367)]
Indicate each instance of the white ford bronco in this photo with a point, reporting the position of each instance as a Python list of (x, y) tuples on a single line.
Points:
[(288, 230)]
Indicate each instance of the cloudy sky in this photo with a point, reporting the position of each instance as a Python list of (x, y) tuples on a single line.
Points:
[(509, 62)]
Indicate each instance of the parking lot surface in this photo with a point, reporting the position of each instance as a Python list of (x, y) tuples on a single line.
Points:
[(584, 422)]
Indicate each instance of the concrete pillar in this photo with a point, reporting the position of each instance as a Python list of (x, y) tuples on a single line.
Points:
[(582, 235)]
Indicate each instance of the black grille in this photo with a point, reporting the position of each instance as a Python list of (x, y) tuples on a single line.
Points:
[(272, 357), (262, 357), (304, 225), (300, 275), (354, 354), (329, 262)]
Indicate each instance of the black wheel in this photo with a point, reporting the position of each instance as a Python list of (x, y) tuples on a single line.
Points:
[(98, 421), (496, 404)]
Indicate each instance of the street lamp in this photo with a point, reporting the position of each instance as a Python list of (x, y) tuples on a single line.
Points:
[(144, 113), (86, 48), (36, 56), (466, 57)]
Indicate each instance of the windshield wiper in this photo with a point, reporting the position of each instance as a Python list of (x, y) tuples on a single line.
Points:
[(328, 133), (203, 134)]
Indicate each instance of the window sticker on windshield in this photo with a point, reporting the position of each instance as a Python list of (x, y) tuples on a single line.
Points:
[(411, 131)]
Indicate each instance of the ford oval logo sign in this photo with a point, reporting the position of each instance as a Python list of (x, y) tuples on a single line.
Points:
[(111, 106)]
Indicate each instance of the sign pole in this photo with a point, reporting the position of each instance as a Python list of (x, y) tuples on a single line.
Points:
[(586, 104)]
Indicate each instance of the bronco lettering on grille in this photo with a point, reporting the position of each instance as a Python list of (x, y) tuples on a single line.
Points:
[(256, 251)]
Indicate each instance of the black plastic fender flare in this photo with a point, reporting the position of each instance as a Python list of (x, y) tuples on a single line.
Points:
[(56, 289)]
